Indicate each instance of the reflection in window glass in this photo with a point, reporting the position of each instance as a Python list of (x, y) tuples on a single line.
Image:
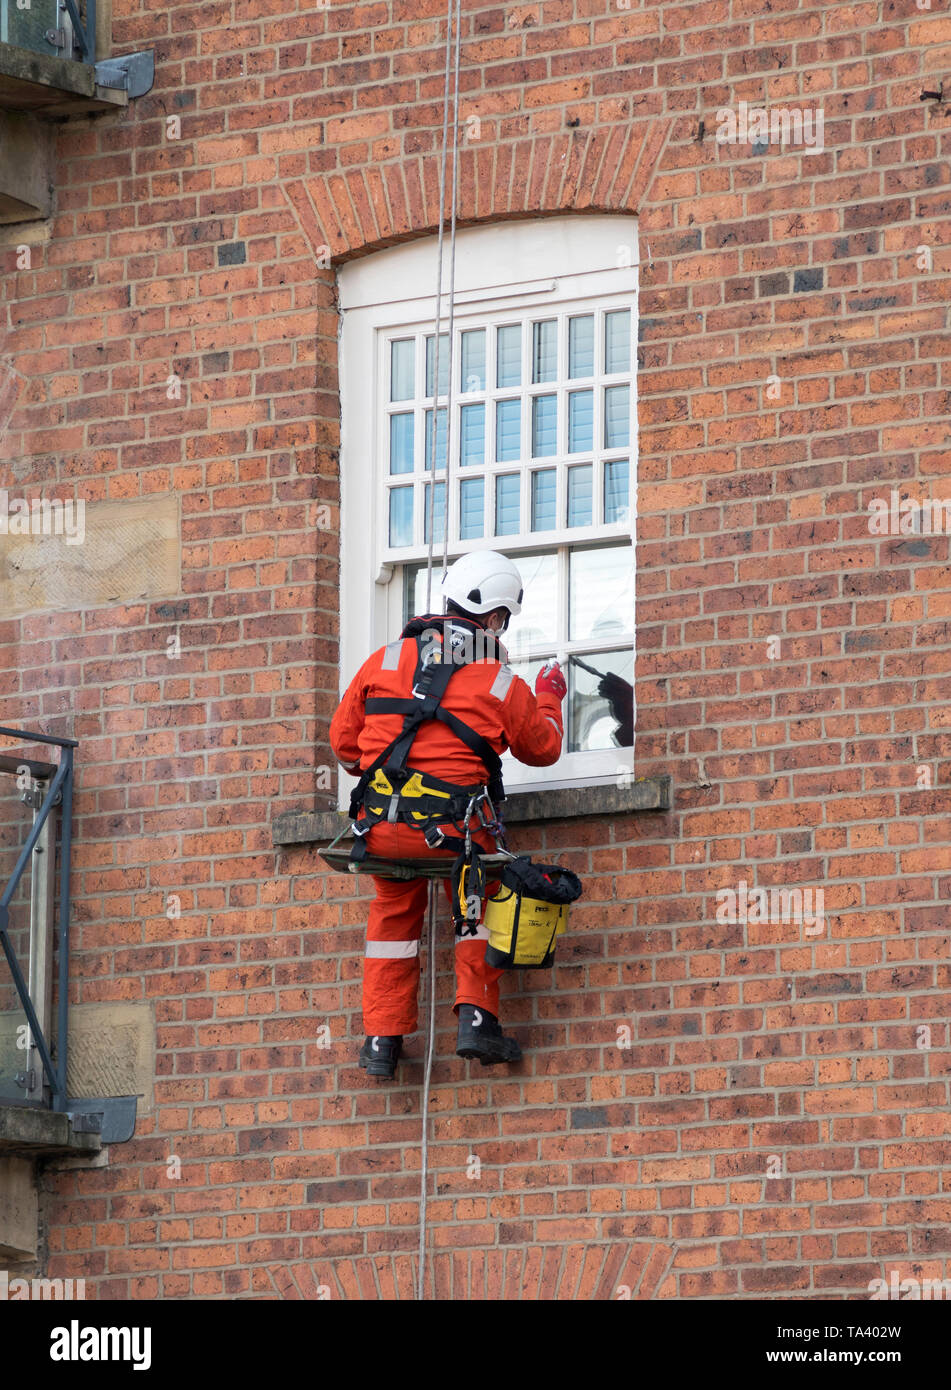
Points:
[(472, 373), (440, 437), (580, 421), (601, 593), (617, 401), (401, 442), (544, 421), (601, 701), (537, 624), (472, 443), (471, 508), (443, 363), (508, 430), (617, 491), (543, 499), (507, 488), (579, 495), (581, 345), (401, 516), (509, 350), (617, 341), (545, 350), (439, 518), (402, 369)]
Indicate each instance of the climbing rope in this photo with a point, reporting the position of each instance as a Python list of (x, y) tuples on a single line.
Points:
[(424, 1152), (453, 28), (452, 24)]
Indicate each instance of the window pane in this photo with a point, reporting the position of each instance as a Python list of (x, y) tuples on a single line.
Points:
[(401, 443), (472, 374), (601, 701), (545, 350), (507, 490), (443, 363), (581, 345), (401, 516), (414, 589), (537, 624), (601, 593), (471, 508), (508, 430), (579, 495), (617, 499), (402, 369), (440, 437), (544, 421), (580, 421), (543, 499), (617, 341), (617, 404), (439, 518), (509, 343), (472, 446)]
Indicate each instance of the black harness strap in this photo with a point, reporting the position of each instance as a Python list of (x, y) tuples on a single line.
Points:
[(473, 740), (430, 686), (477, 745)]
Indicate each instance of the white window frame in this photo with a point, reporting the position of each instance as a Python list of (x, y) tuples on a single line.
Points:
[(537, 267)]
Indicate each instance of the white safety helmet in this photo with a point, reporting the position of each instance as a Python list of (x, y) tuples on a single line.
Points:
[(482, 581)]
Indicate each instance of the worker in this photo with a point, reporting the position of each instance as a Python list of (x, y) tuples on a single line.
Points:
[(422, 753)]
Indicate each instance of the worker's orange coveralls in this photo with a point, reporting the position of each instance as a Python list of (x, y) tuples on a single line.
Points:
[(490, 698)]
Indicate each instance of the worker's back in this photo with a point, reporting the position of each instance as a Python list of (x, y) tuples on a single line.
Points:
[(483, 692)]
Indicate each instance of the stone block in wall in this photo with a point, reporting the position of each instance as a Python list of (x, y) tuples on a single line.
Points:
[(88, 555)]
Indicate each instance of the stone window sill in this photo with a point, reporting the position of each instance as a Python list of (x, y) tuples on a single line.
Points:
[(562, 803)]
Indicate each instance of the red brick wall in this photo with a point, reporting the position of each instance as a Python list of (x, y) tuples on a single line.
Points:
[(755, 1051)]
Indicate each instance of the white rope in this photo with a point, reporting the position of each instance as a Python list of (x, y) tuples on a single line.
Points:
[(436, 354), (450, 19), (424, 1154), (452, 291)]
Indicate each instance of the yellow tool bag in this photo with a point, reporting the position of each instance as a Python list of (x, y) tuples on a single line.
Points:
[(527, 913)]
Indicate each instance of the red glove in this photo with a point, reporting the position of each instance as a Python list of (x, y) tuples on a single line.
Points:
[(550, 681)]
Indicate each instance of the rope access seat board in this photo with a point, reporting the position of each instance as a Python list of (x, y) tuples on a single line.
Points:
[(339, 859)]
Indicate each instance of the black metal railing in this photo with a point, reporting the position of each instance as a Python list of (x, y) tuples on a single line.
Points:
[(84, 35), (59, 791)]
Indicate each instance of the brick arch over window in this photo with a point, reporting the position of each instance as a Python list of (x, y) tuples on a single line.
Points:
[(594, 1272), (366, 208)]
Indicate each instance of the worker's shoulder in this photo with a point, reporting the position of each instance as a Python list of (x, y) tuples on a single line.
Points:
[(388, 657), (496, 678)]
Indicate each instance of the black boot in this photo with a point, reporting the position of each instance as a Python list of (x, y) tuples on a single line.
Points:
[(380, 1054), (480, 1035)]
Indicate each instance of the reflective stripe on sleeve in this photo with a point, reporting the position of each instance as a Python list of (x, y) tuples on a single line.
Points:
[(502, 682), (554, 723), (391, 656), (391, 950), (481, 934)]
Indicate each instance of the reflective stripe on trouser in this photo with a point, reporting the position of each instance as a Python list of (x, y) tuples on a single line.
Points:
[(394, 927)]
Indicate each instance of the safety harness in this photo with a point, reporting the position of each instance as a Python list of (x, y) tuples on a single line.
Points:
[(390, 789), (529, 908)]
